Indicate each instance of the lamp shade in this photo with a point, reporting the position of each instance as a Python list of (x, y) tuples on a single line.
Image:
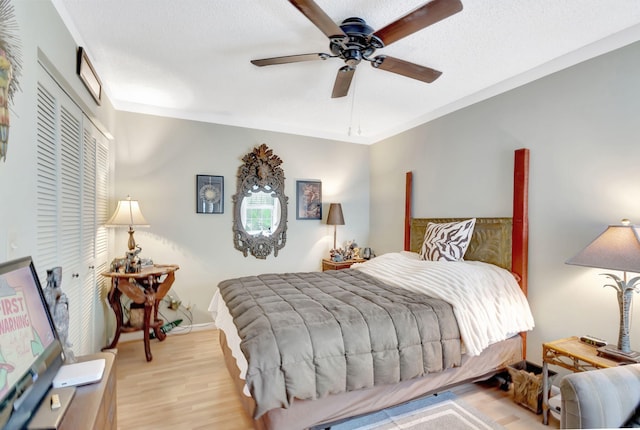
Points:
[(127, 214), (335, 216), (617, 248)]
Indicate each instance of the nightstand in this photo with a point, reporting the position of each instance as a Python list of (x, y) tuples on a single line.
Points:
[(573, 355), (339, 265)]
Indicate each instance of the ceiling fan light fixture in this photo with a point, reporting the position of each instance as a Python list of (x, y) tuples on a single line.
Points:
[(352, 57)]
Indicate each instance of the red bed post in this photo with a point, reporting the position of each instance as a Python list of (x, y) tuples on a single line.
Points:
[(407, 212), (520, 233)]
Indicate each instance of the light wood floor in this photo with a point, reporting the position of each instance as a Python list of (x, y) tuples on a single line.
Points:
[(187, 386)]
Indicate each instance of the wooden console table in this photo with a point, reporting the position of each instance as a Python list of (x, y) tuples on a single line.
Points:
[(147, 287), (91, 407)]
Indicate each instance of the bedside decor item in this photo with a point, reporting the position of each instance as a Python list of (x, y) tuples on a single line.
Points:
[(10, 69), (617, 248), (335, 218), (349, 252), (260, 205), (88, 75), (128, 214), (209, 194), (308, 200)]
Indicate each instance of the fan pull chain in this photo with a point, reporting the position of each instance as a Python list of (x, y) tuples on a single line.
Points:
[(353, 100)]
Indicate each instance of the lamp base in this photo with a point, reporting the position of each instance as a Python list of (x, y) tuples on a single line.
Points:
[(132, 242), (613, 353)]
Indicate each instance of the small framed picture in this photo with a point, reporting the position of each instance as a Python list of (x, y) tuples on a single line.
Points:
[(308, 200), (88, 75), (209, 194)]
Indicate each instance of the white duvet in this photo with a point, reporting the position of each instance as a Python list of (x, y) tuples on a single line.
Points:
[(486, 299)]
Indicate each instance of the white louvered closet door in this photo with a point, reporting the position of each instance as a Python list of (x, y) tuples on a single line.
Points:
[(95, 197), (72, 177), (89, 225), (102, 284)]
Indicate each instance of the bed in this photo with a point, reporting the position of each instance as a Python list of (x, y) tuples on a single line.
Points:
[(501, 242)]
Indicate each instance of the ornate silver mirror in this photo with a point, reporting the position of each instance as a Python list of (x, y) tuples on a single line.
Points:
[(259, 205)]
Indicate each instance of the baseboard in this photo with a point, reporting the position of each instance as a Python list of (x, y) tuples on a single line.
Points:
[(181, 329)]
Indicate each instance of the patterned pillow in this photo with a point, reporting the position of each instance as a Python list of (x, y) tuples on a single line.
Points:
[(447, 241)]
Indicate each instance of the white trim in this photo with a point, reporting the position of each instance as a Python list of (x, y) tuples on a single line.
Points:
[(181, 329)]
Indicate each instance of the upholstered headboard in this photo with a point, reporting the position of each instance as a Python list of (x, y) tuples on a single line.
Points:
[(490, 242)]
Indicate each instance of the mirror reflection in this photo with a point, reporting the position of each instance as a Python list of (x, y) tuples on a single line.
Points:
[(260, 213)]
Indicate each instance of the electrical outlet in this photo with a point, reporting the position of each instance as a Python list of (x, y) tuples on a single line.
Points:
[(174, 304), (12, 244)]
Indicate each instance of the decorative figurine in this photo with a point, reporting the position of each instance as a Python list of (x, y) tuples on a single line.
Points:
[(349, 252), (133, 261), (59, 307)]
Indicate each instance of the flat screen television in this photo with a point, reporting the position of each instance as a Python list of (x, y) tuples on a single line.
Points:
[(30, 350)]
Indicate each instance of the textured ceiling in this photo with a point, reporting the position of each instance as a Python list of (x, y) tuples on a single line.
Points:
[(190, 58)]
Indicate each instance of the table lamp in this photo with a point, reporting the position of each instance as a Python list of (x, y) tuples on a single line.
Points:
[(335, 218), (128, 214), (617, 248)]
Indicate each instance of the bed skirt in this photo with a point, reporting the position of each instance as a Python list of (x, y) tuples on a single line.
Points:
[(303, 414)]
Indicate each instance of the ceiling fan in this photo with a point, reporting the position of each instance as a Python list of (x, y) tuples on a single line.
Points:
[(354, 41)]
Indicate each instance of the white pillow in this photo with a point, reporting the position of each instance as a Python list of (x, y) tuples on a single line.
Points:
[(447, 241)]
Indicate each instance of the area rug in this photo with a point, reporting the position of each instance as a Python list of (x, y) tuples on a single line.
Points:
[(441, 411)]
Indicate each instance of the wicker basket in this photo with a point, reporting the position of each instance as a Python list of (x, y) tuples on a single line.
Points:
[(527, 384), (136, 315)]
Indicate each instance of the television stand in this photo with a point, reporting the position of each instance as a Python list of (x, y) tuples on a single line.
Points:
[(93, 406)]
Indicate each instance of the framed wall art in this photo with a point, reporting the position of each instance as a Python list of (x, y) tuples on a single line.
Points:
[(88, 75), (209, 194), (308, 200)]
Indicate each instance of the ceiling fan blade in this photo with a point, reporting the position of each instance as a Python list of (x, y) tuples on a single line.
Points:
[(343, 82), (289, 59), (419, 18), (319, 18), (405, 68)]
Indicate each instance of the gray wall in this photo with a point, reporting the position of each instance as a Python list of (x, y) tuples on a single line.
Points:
[(157, 160), (582, 128)]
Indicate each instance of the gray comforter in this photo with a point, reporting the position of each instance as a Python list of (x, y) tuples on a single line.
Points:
[(307, 335)]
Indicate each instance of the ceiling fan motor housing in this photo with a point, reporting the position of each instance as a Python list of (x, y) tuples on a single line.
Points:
[(361, 43)]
